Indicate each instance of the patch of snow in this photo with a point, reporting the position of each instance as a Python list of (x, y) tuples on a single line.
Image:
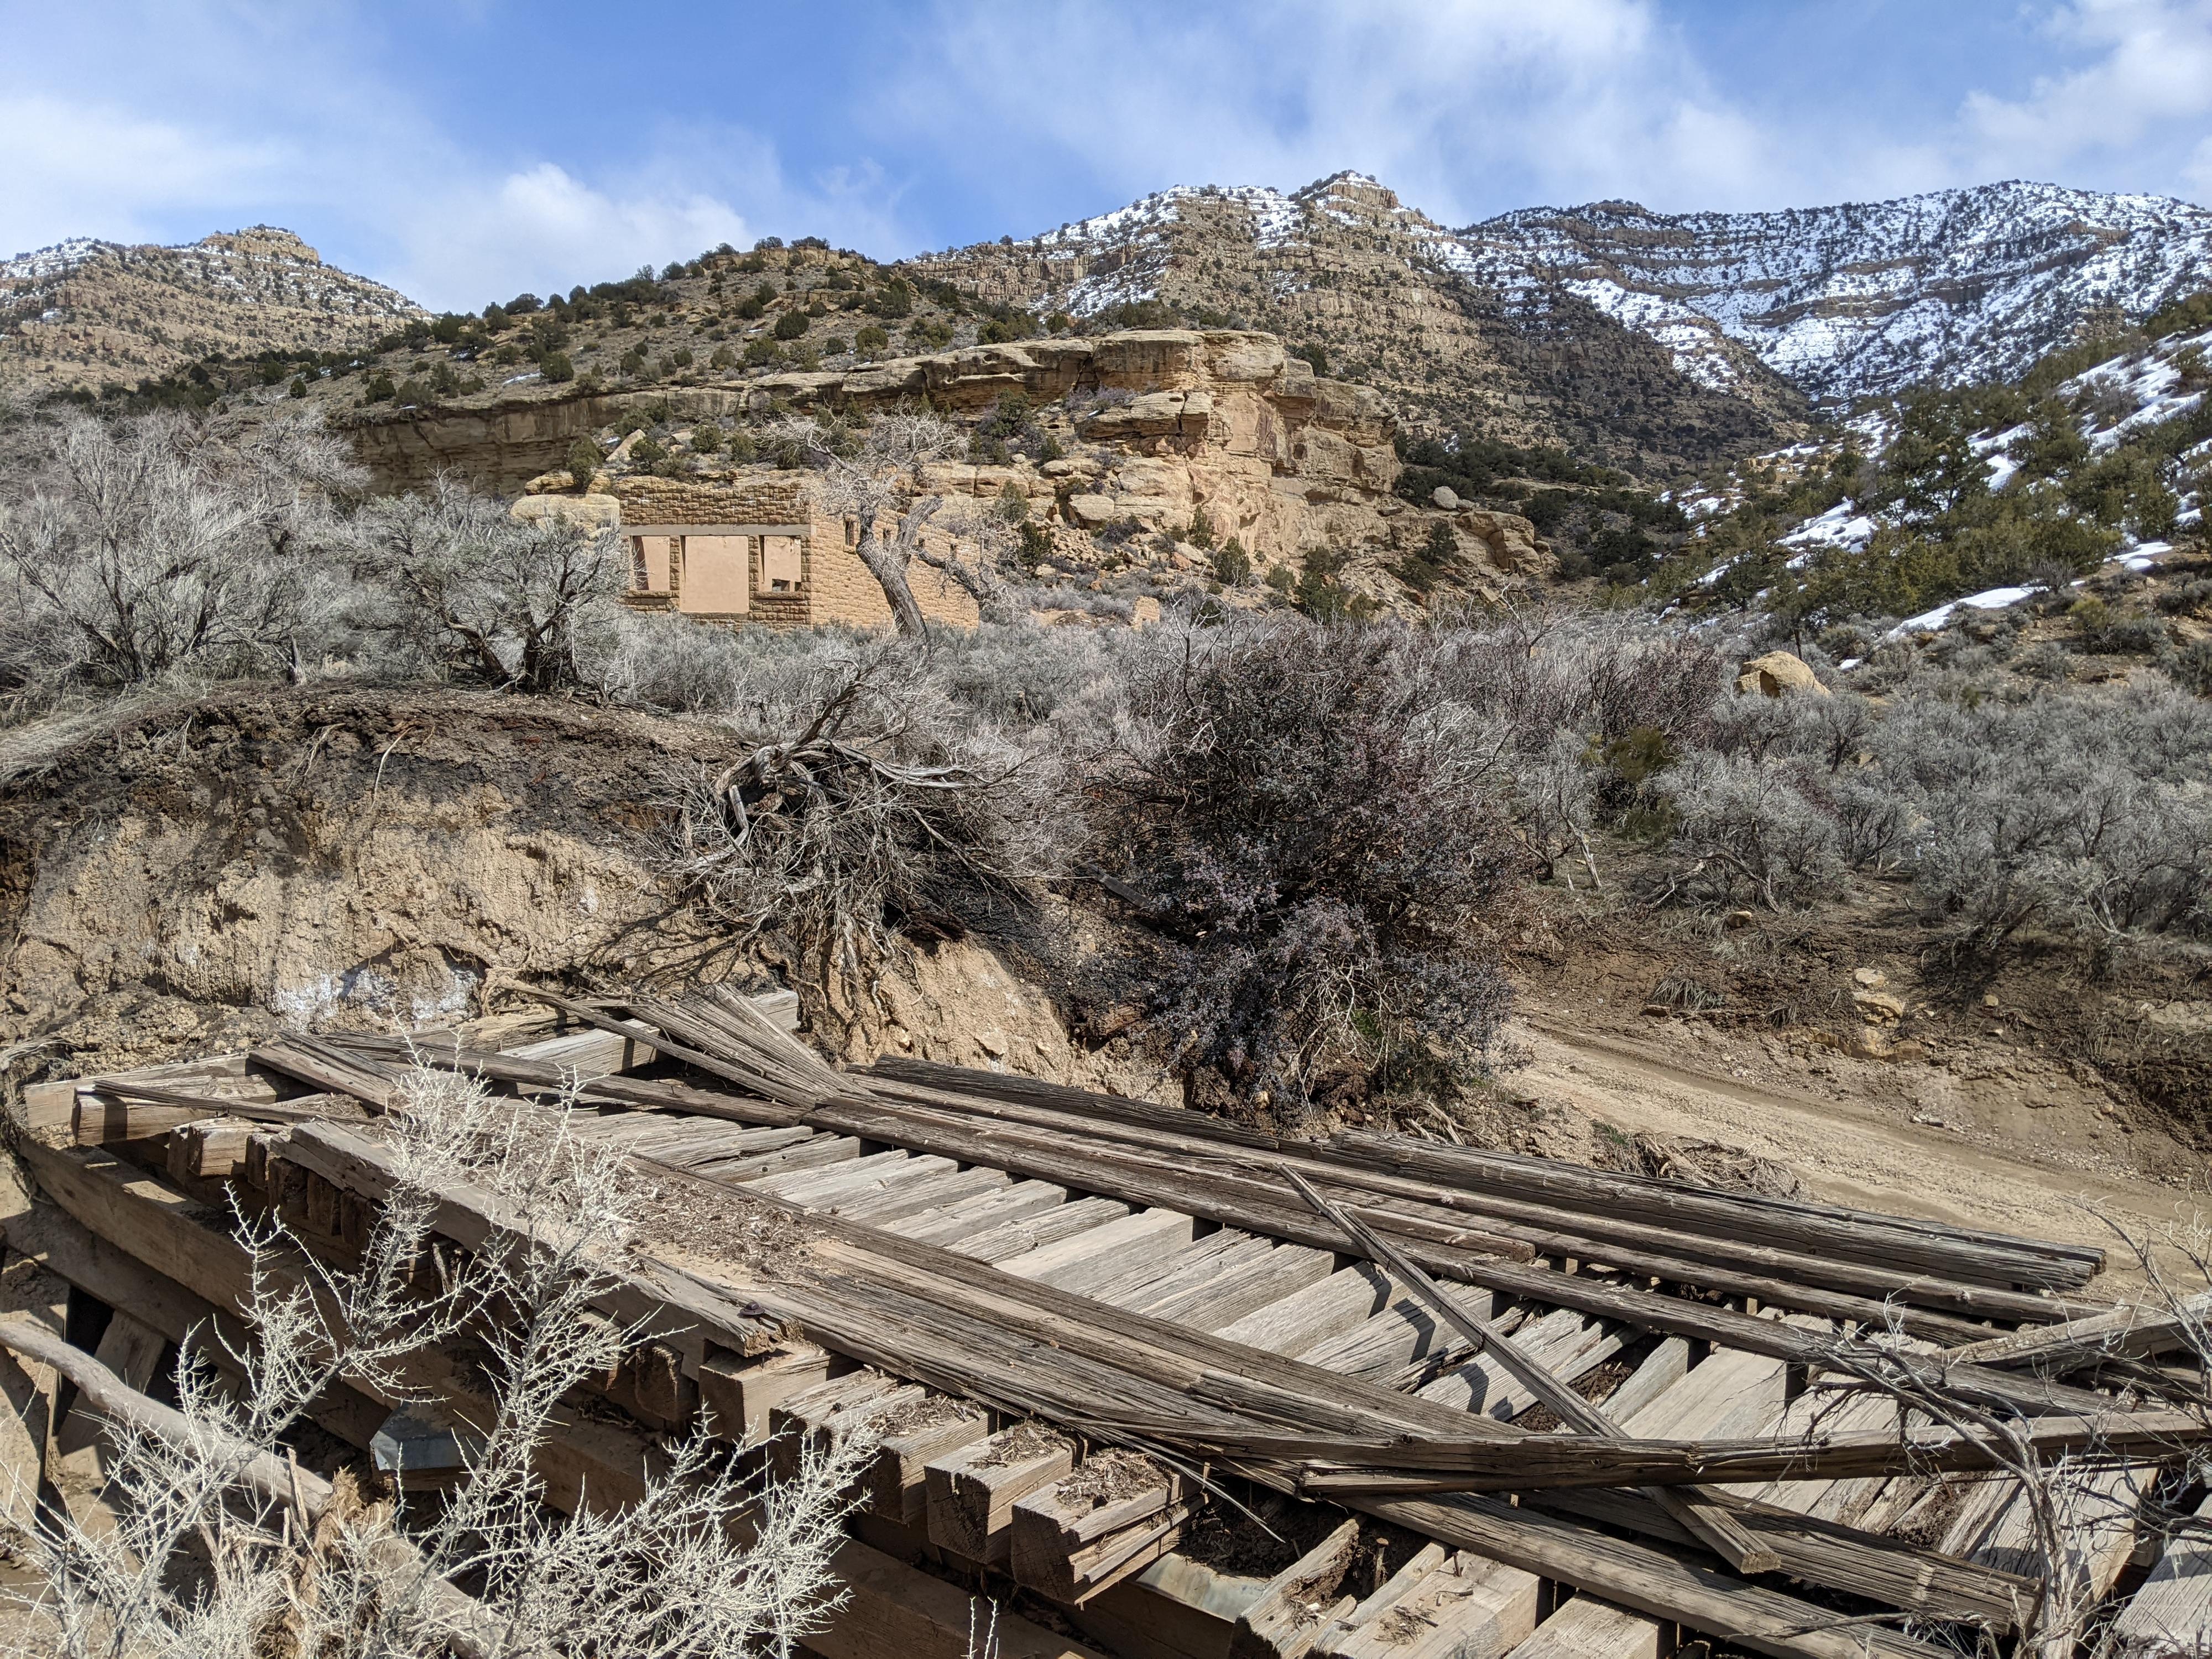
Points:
[(1994, 599), (1839, 526)]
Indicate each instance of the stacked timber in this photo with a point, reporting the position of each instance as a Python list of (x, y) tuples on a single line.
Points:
[(1070, 1325)]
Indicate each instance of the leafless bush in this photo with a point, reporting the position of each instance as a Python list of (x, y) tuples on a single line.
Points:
[(133, 550), (1606, 675), (479, 593), (1742, 825), (674, 663), (201, 1562), (2076, 809), (858, 812), (1310, 823)]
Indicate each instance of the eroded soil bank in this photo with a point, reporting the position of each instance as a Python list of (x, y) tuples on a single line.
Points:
[(185, 877)]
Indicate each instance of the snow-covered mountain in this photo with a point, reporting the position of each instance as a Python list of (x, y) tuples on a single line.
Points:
[(1864, 299), (84, 313), (1836, 303)]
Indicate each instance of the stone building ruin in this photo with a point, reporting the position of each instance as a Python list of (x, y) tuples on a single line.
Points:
[(758, 550)]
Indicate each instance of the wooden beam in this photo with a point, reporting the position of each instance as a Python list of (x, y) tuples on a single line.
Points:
[(971, 1490), (1285, 1618), (1716, 1529), (889, 1607)]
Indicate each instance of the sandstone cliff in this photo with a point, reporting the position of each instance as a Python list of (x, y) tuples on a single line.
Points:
[(1160, 428)]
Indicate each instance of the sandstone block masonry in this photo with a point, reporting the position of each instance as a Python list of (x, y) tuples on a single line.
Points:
[(755, 548)]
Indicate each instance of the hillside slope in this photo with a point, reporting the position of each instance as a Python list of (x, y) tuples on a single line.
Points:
[(1384, 293), (85, 315), (1865, 299), (1630, 336)]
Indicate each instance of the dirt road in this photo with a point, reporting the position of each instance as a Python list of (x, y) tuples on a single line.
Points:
[(1854, 1151)]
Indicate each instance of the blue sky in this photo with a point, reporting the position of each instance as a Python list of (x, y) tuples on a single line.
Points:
[(465, 149)]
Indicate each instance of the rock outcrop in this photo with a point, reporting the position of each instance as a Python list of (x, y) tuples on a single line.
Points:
[(1162, 426)]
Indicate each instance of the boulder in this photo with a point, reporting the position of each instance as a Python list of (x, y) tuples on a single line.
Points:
[(1092, 512), (1776, 672), (587, 512), (1445, 497)]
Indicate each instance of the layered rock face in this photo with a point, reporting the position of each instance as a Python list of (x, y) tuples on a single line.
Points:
[(85, 315), (1174, 422), (1387, 293), (1161, 426), (1864, 299)]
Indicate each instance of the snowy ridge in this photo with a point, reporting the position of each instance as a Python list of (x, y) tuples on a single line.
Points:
[(1868, 298), (1845, 302), (257, 266)]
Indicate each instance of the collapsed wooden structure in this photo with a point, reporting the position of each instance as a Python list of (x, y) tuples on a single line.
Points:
[(1482, 1404)]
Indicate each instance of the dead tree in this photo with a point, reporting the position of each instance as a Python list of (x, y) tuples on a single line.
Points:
[(880, 484)]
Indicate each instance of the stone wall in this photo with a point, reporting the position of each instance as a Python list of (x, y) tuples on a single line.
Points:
[(838, 587)]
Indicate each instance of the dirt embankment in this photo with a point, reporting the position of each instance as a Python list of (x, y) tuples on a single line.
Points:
[(197, 874), (2052, 1093), (189, 878)]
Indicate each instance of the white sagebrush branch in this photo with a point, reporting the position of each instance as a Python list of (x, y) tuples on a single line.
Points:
[(471, 1630)]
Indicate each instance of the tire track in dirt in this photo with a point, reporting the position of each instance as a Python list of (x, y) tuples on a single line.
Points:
[(1849, 1152)]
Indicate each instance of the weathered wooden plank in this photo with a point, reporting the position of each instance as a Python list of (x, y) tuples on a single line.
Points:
[(1656, 1372), (1242, 1289), (739, 1393), (1727, 1397), (911, 1198), (1084, 1533), (1402, 1333), (1286, 1618), (1587, 1628), (971, 1492), (1034, 1232), (1469, 1605), (1090, 1258), (1818, 1230), (968, 1217), (888, 1606), (896, 1481), (212, 1149), (2170, 1615), (1644, 1579), (1312, 1314), (1707, 1522), (796, 1185), (1155, 1278), (827, 1413), (1342, 1626)]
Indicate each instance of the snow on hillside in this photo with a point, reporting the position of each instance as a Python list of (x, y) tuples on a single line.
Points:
[(2122, 396), (1865, 299), (1848, 301)]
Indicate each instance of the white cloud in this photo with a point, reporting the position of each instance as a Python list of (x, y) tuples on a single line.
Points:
[(95, 168), (2149, 66), (542, 229), (1583, 97)]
